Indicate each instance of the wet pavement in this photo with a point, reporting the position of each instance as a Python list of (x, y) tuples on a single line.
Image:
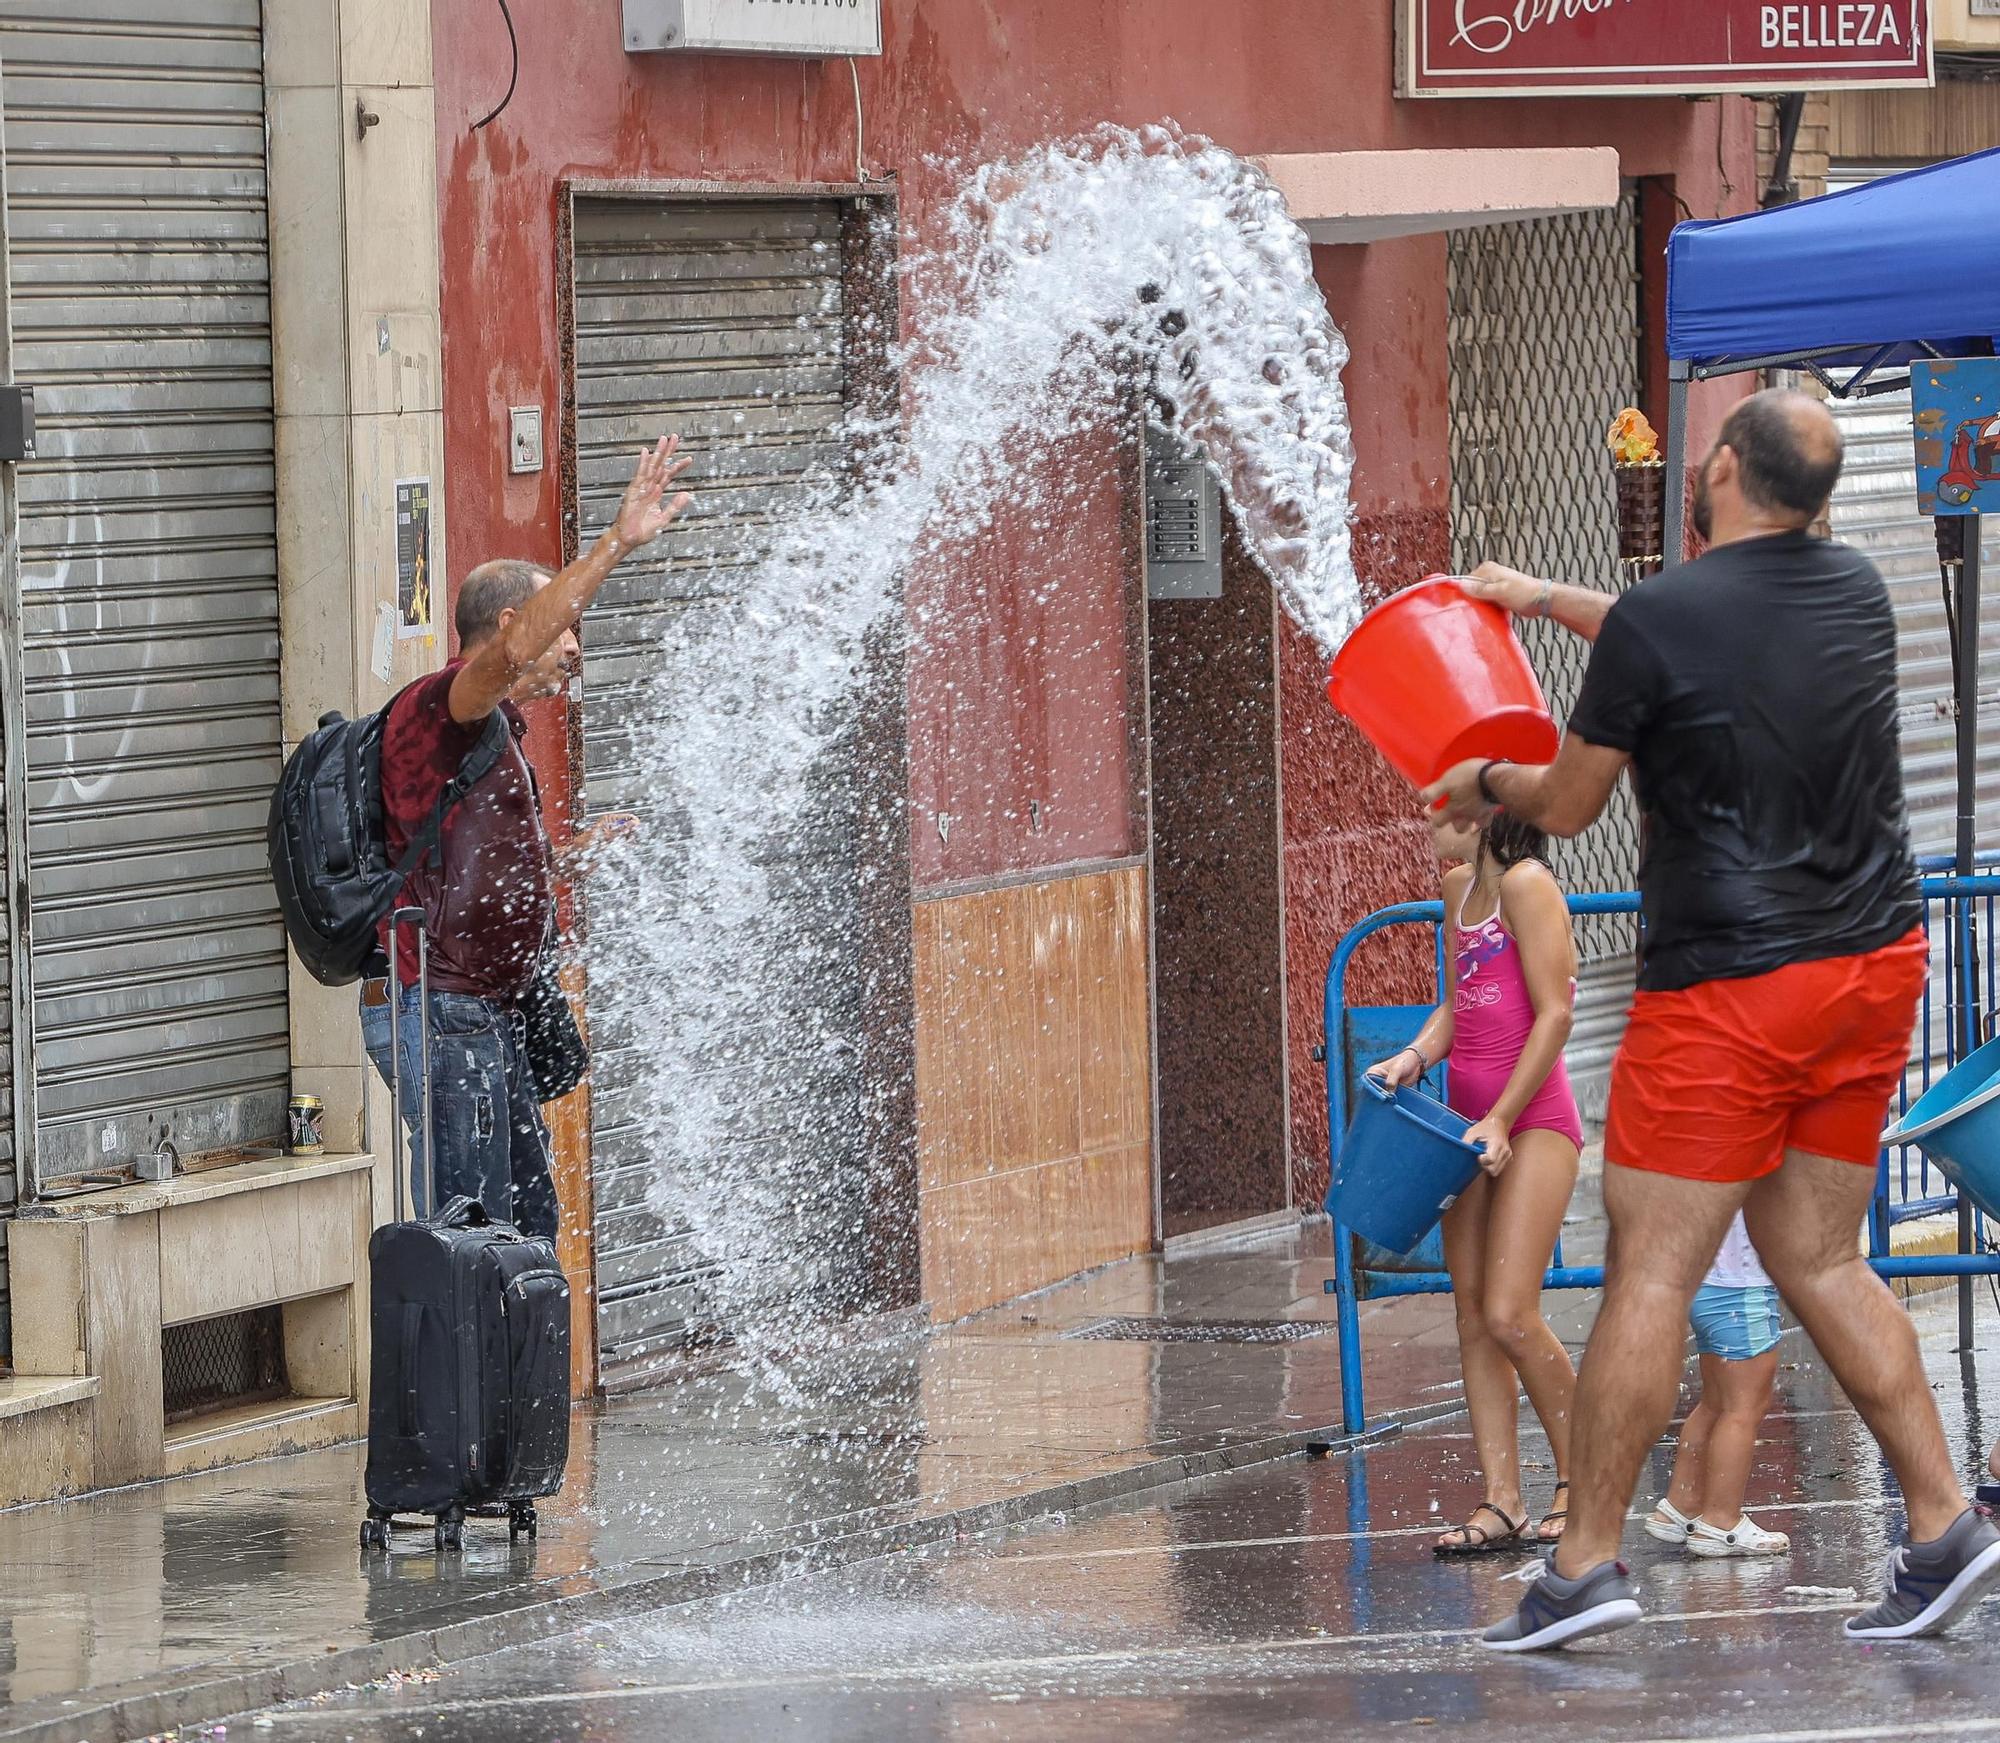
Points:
[(165, 1592), (1295, 1600)]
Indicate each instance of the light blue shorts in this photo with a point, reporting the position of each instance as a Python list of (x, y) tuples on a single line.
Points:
[(1736, 1324)]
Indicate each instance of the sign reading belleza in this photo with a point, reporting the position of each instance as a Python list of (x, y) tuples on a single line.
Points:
[(1493, 48)]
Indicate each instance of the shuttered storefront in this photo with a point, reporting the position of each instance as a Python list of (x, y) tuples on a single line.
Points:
[(722, 322), (1544, 349), (1875, 510), (138, 287)]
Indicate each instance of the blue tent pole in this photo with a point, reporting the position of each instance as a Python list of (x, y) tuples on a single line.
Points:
[(1677, 448)]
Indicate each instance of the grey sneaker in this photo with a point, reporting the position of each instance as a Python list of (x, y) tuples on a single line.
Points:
[(1930, 1583), (1554, 1611)]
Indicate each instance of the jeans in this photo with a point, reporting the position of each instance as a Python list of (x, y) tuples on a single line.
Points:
[(491, 1141)]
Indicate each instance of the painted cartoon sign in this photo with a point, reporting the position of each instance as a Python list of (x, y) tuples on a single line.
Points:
[(1955, 409)]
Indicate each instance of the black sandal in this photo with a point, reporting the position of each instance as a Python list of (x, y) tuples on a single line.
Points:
[(1477, 1540), (1554, 1516)]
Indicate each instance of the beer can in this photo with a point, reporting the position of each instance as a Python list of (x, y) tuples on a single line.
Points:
[(305, 1126)]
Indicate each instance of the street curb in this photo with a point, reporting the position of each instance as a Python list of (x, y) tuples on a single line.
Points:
[(204, 1694)]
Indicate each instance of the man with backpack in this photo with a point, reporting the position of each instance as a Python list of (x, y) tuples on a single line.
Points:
[(453, 768)]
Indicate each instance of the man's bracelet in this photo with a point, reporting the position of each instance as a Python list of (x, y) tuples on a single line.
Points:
[(1545, 600), (1486, 791)]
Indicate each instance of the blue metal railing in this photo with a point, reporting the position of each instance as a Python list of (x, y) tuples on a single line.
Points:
[(1959, 1002), (1953, 1019)]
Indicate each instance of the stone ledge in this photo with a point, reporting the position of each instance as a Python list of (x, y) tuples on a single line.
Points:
[(257, 1431), (97, 1280), (26, 1393), (146, 1196), (47, 1446)]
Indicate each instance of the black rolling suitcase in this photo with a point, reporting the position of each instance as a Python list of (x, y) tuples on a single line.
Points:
[(468, 1411)]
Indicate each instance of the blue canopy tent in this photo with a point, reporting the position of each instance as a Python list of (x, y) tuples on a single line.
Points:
[(1852, 288), (1905, 266), (1841, 287)]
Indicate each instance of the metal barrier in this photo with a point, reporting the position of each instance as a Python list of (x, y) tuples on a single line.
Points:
[(1954, 1016), (1964, 972)]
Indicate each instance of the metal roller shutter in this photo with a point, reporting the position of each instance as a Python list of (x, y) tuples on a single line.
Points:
[(10, 1162), (1875, 510), (1543, 336), (721, 321), (138, 280)]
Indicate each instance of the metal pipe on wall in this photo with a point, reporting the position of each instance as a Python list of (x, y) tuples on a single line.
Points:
[(1677, 444)]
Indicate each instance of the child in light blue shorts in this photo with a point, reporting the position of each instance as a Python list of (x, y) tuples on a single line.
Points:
[(1736, 1331)]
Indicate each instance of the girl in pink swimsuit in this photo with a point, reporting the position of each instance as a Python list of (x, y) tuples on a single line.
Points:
[(1503, 1029)]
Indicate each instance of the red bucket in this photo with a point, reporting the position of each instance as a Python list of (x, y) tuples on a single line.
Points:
[(1435, 678)]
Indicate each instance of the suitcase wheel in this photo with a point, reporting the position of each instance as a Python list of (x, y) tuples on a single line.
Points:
[(450, 1532), (522, 1522), (374, 1533)]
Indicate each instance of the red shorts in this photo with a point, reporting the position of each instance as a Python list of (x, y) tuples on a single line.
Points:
[(1719, 1080)]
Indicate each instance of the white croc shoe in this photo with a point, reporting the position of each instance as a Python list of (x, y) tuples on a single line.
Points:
[(1746, 1537), (1668, 1523)]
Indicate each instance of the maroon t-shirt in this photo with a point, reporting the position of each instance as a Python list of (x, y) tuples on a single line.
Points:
[(487, 892)]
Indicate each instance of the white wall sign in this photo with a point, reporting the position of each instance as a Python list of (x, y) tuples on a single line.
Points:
[(802, 27)]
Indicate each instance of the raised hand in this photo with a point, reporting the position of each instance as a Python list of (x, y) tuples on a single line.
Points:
[(643, 515)]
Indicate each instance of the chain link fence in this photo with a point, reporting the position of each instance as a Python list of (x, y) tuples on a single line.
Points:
[(1544, 351)]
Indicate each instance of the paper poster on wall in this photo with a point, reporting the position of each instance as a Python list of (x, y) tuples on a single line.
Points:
[(413, 557), (1955, 411)]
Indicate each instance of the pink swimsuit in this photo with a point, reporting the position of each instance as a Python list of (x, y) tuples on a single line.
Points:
[(1491, 1017)]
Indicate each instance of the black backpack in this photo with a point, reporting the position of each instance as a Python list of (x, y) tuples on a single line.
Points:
[(328, 842)]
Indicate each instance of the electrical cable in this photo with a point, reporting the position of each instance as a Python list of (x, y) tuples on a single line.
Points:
[(513, 76), (860, 158)]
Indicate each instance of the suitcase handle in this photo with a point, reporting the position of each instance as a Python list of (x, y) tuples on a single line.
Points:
[(414, 918), (463, 1213)]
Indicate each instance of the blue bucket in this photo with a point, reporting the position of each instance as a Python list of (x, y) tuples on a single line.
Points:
[(1956, 1123), (1402, 1163)]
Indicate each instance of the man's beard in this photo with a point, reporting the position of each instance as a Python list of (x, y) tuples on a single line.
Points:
[(1703, 511)]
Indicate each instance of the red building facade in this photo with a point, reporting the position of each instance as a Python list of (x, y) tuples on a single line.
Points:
[(1113, 1005)]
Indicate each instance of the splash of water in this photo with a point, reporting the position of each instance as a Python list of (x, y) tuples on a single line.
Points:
[(715, 942)]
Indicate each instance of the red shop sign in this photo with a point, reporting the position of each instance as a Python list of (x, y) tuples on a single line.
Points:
[(1523, 48)]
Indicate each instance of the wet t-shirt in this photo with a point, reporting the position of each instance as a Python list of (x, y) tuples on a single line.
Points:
[(1755, 691), (488, 894)]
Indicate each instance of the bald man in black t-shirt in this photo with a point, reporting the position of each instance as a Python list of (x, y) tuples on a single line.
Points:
[(1753, 695)]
